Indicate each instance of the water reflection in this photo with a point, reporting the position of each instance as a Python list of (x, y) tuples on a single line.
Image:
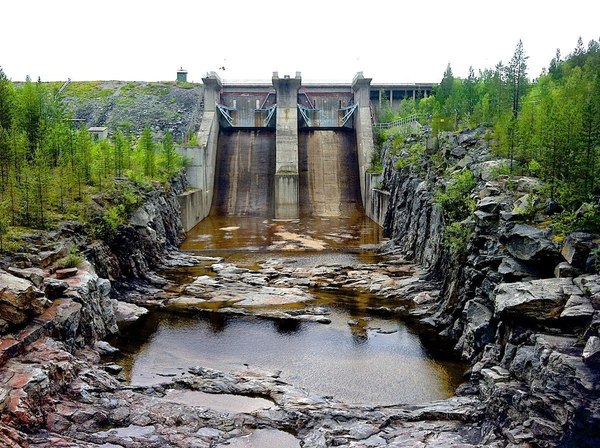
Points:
[(361, 356), (248, 234), (287, 326), (376, 361)]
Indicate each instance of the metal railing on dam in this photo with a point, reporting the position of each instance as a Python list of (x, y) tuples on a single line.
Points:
[(410, 121), (282, 148)]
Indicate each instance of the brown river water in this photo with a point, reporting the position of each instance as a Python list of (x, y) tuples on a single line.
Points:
[(382, 360)]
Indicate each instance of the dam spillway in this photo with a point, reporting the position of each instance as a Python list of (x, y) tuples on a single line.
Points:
[(284, 149), (329, 184), (244, 173)]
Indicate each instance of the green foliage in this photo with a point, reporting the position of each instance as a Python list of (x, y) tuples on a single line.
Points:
[(110, 222), (49, 169), (4, 223), (587, 217), (146, 149), (457, 236), (413, 157), (596, 254), (72, 260), (455, 199), (549, 129)]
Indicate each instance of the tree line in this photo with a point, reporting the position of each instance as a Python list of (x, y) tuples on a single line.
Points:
[(50, 166), (548, 127)]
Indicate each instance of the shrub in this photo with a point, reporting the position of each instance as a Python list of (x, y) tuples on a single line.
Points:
[(72, 260), (456, 237), (455, 199)]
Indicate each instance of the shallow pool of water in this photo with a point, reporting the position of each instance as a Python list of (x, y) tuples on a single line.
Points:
[(242, 234), (357, 358), (375, 361)]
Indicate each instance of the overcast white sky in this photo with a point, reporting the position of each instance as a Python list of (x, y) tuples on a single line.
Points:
[(388, 40)]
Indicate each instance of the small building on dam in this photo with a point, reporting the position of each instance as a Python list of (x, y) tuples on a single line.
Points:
[(285, 149)]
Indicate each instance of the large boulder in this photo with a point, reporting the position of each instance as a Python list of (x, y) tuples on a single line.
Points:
[(20, 299), (591, 352), (577, 247), (528, 243), (477, 331), (512, 269), (538, 300)]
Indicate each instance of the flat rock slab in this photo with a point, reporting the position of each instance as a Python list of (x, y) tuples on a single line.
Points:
[(231, 404), (66, 273), (537, 299), (263, 438)]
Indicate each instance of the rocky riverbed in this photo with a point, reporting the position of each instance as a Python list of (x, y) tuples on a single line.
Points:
[(519, 307), (58, 396)]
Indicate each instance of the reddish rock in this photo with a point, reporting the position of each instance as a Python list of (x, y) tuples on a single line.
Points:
[(66, 273)]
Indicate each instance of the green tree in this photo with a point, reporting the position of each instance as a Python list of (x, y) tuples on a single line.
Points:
[(168, 152), (146, 146)]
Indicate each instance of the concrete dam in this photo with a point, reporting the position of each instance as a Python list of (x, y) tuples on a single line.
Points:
[(286, 149)]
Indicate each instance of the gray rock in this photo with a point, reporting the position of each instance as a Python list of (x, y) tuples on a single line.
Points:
[(528, 243), (34, 275), (577, 247), (19, 299), (526, 184), (564, 269), (127, 312), (490, 204), (537, 299), (513, 269), (591, 352), (104, 348), (578, 307), (54, 288), (487, 170)]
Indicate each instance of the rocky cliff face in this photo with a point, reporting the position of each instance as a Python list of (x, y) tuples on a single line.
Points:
[(532, 338), (50, 317), (143, 244)]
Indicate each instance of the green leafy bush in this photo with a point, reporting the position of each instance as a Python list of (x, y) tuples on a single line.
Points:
[(455, 199), (457, 236), (72, 260)]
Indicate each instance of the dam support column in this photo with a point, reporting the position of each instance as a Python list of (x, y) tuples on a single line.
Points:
[(286, 147), (363, 126), (196, 204)]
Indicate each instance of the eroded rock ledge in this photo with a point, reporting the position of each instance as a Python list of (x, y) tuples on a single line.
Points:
[(531, 338)]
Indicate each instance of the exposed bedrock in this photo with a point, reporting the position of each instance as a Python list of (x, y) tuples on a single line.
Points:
[(532, 338)]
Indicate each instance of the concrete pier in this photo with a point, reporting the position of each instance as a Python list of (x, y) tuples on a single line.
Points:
[(196, 204), (286, 147), (364, 130)]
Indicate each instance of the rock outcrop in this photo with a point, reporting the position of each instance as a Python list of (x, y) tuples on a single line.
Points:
[(532, 339)]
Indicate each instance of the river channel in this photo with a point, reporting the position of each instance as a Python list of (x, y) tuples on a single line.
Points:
[(358, 357)]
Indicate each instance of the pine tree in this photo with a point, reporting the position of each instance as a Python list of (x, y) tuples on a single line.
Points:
[(146, 145), (168, 150)]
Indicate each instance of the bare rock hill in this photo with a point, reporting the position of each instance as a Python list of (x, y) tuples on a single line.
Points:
[(132, 105)]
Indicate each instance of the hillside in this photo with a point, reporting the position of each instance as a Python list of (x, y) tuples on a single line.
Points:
[(133, 105)]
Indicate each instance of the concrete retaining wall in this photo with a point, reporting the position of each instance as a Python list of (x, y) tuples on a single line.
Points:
[(193, 205), (377, 201), (201, 170)]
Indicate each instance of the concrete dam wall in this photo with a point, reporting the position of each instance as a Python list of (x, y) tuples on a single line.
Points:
[(244, 174), (329, 183), (281, 150)]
